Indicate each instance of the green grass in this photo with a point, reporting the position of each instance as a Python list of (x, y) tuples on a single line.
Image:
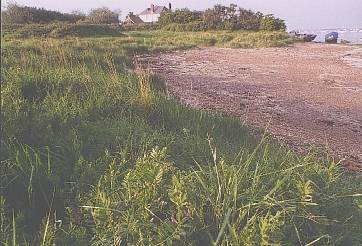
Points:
[(94, 153), (154, 40)]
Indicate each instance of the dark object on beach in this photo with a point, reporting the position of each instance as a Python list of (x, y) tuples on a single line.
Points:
[(308, 37), (332, 37), (302, 36), (343, 41)]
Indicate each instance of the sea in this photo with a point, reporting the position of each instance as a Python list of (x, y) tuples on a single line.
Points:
[(352, 35)]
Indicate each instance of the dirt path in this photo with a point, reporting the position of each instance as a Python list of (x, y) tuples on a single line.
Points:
[(308, 94)]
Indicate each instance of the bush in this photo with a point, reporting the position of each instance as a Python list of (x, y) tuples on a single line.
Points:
[(270, 23), (27, 30), (15, 14), (60, 30), (180, 16), (260, 39), (219, 18), (197, 26), (142, 27), (103, 16)]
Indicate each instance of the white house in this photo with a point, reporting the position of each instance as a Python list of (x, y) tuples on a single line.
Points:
[(153, 13)]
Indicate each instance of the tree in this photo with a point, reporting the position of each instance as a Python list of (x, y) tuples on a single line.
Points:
[(249, 20), (212, 18), (103, 16), (16, 14), (221, 17), (180, 16), (270, 23)]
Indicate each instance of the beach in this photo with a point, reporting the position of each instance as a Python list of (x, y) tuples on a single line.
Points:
[(304, 95)]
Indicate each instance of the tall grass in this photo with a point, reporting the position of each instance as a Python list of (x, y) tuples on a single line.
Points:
[(92, 152)]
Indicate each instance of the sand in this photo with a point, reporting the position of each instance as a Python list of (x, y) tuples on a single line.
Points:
[(305, 95)]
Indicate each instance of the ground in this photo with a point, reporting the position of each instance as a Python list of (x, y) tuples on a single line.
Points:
[(305, 95)]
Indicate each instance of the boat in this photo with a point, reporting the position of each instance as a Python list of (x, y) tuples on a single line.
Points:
[(332, 37), (303, 36)]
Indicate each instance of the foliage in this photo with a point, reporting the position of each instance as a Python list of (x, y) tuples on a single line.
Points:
[(141, 27), (249, 20), (220, 18), (179, 16), (93, 152), (103, 16), (260, 39), (15, 14), (270, 23), (197, 26), (58, 30)]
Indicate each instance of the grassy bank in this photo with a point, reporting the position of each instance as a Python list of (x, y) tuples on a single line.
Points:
[(155, 39), (94, 153)]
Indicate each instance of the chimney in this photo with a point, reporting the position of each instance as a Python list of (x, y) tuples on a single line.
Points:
[(152, 8), (169, 6)]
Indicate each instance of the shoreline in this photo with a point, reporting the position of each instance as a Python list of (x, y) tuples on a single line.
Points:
[(305, 95)]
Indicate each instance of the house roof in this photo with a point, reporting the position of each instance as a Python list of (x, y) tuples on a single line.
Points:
[(134, 19), (157, 10)]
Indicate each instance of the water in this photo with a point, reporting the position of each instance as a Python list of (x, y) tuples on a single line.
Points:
[(352, 35)]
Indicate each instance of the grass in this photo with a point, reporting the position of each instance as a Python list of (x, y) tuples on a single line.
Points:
[(93, 152), (152, 40)]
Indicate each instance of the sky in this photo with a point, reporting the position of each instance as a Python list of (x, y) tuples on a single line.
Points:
[(299, 14)]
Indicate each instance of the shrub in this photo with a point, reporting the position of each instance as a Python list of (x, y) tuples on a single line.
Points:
[(60, 30), (219, 18), (142, 27), (27, 30), (180, 16), (270, 23), (103, 16), (260, 39), (196, 26), (249, 20), (15, 14)]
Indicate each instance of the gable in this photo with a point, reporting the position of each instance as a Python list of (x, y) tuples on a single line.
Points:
[(134, 19)]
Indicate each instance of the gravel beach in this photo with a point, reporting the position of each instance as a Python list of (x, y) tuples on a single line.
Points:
[(305, 95)]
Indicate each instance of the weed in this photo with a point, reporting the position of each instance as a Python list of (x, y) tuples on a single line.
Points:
[(93, 153)]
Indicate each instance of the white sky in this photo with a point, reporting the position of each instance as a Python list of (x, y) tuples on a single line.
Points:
[(299, 14)]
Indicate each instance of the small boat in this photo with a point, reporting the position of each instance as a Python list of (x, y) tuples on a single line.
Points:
[(308, 37), (332, 37), (303, 36)]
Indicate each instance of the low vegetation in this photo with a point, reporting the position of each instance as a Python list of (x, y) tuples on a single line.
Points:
[(94, 151), (156, 40), (59, 30)]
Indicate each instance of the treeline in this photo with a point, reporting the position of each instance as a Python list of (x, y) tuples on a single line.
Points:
[(16, 14), (220, 18)]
